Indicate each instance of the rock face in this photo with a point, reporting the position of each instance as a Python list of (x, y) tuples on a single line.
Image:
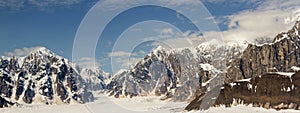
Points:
[(280, 55), (40, 77), (268, 90), (277, 91), (175, 74), (160, 73)]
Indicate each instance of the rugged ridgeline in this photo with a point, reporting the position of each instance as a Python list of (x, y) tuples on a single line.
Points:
[(173, 74), (280, 55), (269, 90), (42, 77)]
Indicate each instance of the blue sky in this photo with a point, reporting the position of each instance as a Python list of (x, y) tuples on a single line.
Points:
[(27, 24), (51, 26)]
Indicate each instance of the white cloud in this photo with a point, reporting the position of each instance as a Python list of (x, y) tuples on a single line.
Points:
[(250, 25), (125, 63), (120, 54), (136, 29), (233, 1), (168, 38), (124, 60), (61, 52), (46, 3), (186, 39), (279, 4), (269, 19), (172, 39), (165, 31), (181, 2), (119, 4), (41, 4), (21, 52), (180, 17), (88, 62), (13, 4), (293, 17), (141, 52)]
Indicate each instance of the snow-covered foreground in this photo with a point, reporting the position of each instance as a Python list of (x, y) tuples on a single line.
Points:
[(104, 104), (244, 109)]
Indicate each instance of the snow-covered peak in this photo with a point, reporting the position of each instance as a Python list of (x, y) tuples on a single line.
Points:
[(95, 71), (157, 51), (174, 67), (94, 78), (43, 51), (279, 38), (121, 71), (37, 74), (215, 49), (294, 30), (237, 43), (297, 24), (289, 35), (158, 48), (215, 44), (210, 44)]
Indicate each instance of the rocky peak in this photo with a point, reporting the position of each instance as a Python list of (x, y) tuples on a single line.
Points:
[(295, 30), (278, 56), (40, 77), (263, 75), (290, 35), (175, 74)]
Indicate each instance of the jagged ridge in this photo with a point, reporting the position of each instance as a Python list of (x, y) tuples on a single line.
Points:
[(174, 74), (264, 89), (42, 77)]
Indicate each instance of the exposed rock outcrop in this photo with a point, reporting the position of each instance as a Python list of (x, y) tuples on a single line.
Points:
[(269, 90), (175, 74), (273, 90), (256, 60)]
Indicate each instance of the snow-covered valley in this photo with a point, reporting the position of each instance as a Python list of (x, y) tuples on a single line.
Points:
[(105, 104)]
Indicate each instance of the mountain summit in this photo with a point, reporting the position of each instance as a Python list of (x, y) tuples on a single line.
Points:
[(174, 74), (264, 75), (41, 77)]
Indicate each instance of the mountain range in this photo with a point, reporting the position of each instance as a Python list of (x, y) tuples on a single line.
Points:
[(264, 75), (195, 74), (242, 72), (44, 77)]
